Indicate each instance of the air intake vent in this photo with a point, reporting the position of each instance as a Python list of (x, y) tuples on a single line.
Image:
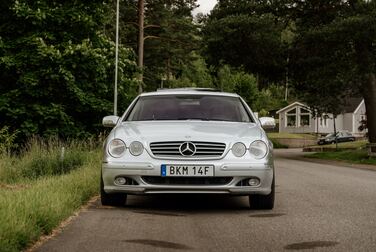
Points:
[(187, 180)]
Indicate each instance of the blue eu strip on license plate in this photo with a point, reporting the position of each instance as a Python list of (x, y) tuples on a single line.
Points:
[(163, 171)]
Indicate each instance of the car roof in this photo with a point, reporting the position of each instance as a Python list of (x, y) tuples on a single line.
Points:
[(189, 91)]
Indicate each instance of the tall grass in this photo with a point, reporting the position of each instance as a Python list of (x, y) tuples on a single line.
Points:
[(43, 158), (39, 188), (7, 140)]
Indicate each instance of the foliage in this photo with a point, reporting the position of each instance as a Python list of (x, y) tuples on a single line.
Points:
[(56, 67), (271, 98), (196, 74), (7, 141), (42, 204), (334, 56), (237, 80), (234, 80), (170, 38), (250, 36), (246, 34), (41, 158)]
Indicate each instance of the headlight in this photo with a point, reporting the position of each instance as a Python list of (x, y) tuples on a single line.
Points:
[(238, 149), (258, 149), (136, 148), (117, 148)]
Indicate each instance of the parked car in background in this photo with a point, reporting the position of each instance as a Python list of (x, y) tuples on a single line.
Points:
[(342, 136), (188, 141)]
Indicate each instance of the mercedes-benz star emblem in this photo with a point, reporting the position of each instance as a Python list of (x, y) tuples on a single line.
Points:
[(187, 149)]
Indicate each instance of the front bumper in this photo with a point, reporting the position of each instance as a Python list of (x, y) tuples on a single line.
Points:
[(237, 172)]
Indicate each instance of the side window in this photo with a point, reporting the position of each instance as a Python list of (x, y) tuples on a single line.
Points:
[(291, 118), (305, 117), (324, 120)]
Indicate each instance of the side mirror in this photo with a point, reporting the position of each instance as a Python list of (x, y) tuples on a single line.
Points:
[(110, 121), (267, 122)]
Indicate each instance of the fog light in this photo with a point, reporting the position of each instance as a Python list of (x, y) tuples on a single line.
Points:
[(120, 181), (253, 181)]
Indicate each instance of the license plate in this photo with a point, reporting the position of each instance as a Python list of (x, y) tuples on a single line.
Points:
[(187, 170)]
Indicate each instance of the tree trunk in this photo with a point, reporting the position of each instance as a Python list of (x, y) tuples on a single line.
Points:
[(365, 64), (335, 131), (168, 69), (369, 94), (140, 42)]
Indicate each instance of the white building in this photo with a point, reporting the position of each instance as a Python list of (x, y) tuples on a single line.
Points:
[(298, 118)]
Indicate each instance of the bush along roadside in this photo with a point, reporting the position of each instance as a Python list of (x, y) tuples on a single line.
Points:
[(44, 190)]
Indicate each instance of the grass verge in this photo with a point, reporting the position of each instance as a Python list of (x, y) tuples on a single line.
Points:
[(274, 137), (291, 136), (34, 206), (347, 145), (349, 156), (278, 145), (43, 158)]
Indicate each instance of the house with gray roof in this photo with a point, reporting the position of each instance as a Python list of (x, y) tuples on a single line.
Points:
[(298, 118)]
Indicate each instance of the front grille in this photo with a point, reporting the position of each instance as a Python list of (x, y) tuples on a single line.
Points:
[(153, 180), (203, 149)]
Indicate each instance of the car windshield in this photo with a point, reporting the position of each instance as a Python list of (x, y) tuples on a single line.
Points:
[(330, 135), (189, 107)]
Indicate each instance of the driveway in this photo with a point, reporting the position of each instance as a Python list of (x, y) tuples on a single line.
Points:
[(318, 206)]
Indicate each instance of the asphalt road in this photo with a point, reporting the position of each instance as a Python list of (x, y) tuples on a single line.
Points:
[(318, 207)]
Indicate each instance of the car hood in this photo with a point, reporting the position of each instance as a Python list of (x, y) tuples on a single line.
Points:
[(153, 131)]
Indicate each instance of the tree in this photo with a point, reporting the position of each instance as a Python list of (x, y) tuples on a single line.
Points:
[(335, 54), (194, 74), (57, 67), (170, 37), (271, 98), (247, 34), (237, 81)]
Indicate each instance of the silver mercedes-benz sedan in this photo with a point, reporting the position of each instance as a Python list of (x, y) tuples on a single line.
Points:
[(188, 141)]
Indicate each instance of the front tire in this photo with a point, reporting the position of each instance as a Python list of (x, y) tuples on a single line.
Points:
[(116, 199), (266, 202)]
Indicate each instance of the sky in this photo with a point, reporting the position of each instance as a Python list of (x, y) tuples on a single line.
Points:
[(205, 6)]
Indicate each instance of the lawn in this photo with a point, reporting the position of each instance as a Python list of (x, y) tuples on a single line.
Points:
[(350, 156), (291, 136), (277, 145), (345, 145), (40, 189)]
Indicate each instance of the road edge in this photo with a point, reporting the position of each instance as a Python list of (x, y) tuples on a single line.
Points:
[(59, 229)]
